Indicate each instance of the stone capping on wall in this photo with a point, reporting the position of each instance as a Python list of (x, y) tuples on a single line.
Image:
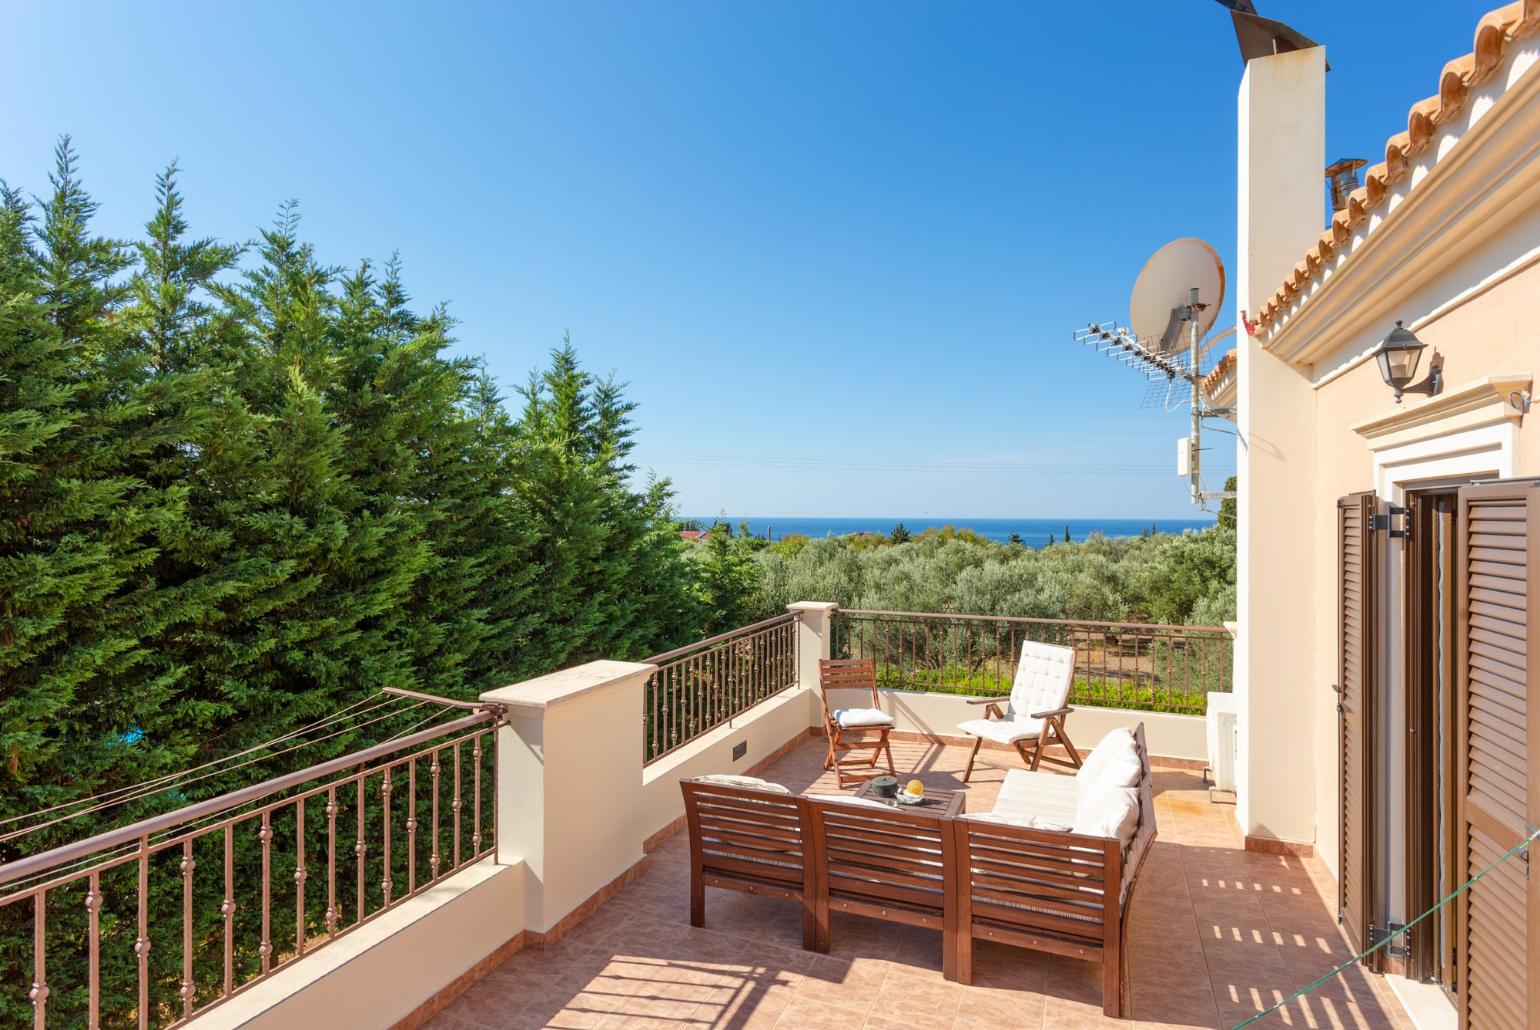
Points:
[(1483, 402), (536, 695)]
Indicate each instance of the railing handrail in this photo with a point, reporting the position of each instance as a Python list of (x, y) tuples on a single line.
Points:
[(1152, 626), (774, 620), (65, 853)]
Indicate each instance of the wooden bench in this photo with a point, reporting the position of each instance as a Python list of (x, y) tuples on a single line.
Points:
[(752, 840), (895, 864), (1051, 890)]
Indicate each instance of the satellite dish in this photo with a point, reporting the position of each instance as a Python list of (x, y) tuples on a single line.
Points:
[(1158, 309)]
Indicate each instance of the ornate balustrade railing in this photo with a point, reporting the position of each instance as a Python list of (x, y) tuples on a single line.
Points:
[(702, 685), (154, 922), (1141, 666)]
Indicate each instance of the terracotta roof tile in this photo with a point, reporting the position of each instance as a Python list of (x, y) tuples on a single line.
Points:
[(1495, 32), (1217, 374)]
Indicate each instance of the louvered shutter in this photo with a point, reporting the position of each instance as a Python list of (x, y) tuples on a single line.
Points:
[(1497, 788), (1357, 644)]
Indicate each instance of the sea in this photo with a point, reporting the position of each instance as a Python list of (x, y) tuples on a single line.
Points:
[(1033, 532)]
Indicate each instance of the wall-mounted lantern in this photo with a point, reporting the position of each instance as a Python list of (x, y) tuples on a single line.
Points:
[(1398, 354)]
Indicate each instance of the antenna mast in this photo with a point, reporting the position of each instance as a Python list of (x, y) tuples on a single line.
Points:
[(1151, 345)]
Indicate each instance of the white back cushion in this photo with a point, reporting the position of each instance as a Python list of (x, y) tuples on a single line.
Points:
[(731, 780), (1114, 761), (1043, 677), (1105, 811)]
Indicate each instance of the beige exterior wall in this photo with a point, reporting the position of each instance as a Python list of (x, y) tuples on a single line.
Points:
[(569, 783), (1282, 151), (765, 729), (1455, 254), (380, 973), (1492, 334)]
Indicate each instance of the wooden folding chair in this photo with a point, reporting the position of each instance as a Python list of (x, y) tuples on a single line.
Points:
[(1034, 714), (853, 729)]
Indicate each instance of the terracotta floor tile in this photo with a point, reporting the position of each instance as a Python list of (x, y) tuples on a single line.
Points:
[(816, 1014), (1216, 933)]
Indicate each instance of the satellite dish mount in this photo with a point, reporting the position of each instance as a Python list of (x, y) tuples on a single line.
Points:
[(1175, 302)]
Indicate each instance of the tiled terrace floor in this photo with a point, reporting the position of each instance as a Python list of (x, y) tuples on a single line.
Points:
[(1217, 934)]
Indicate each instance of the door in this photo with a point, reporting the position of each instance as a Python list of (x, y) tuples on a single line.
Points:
[(1358, 642), (1497, 771), (1429, 714)]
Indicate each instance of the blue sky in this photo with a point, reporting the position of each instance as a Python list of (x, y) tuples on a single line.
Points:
[(836, 249)]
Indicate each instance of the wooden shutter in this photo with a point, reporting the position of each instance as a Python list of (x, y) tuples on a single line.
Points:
[(1497, 772), (1356, 653)]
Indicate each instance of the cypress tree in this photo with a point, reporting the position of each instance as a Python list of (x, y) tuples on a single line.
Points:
[(80, 608)]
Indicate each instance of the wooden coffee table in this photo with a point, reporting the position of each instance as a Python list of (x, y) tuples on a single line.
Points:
[(938, 804)]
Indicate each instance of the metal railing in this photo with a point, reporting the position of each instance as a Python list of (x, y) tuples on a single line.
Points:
[(702, 685), (142, 938), (1142, 666)]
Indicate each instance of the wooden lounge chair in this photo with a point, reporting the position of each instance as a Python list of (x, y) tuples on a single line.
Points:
[(1049, 890), (751, 839), (885, 863), (1033, 717), (853, 729)]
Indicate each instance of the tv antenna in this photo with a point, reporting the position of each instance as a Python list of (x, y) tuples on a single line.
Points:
[(1174, 305)]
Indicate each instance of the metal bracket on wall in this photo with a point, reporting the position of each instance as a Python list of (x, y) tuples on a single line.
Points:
[(1387, 521), (1377, 934)]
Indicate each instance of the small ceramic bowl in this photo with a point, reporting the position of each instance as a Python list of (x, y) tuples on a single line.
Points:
[(885, 786)]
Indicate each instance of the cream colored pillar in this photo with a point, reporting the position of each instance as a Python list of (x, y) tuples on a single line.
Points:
[(569, 782), (1282, 211), (815, 638)]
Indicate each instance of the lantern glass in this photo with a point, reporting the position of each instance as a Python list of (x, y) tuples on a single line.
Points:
[(1400, 365), (1398, 356)]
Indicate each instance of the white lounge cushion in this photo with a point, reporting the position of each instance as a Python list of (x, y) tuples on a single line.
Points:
[(1046, 798), (1114, 762), (1003, 731), (1043, 676), (857, 718), (1105, 811), (730, 780)]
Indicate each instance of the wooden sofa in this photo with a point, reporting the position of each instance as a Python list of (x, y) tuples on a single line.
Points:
[(981, 877), (1050, 890)]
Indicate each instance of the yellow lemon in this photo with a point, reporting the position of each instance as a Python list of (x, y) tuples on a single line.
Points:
[(916, 788)]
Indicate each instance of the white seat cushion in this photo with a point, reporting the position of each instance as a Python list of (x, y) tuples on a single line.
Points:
[(1003, 731), (729, 780), (856, 718), (1047, 798), (1030, 822), (1114, 762)]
